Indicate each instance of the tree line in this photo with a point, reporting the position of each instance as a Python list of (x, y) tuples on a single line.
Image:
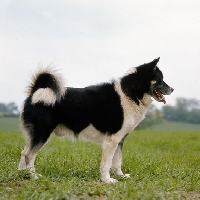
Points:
[(9, 110), (185, 110)]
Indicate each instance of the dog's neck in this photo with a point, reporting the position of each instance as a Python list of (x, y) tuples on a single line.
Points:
[(146, 100)]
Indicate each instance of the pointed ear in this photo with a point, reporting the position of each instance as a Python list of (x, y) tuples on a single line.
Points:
[(154, 62)]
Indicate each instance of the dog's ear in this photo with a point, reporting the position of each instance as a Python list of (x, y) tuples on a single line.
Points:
[(154, 62)]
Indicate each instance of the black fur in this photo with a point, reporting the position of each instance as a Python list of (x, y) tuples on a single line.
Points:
[(96, 105), (45, 80), (39, 120)]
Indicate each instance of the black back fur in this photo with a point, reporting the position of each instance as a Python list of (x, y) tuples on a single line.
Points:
[(97, 105)]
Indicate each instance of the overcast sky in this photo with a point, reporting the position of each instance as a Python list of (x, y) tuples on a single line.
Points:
[(93, 41)]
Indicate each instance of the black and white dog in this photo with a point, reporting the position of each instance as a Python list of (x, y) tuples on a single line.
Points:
[(103, 113)]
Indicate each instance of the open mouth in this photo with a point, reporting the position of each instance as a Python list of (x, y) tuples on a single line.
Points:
[(159, 96)]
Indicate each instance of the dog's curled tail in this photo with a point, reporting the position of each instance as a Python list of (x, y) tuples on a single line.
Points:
[(47, 86)]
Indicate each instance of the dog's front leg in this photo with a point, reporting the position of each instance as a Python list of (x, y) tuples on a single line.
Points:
[(117, 160), (109, 146)]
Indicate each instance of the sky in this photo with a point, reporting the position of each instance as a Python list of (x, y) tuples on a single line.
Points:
[(95, 41)]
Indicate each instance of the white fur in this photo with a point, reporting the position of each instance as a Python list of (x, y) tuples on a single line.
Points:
[(28, 158), (133, 113), (131, 71), (153, 82), (61, 130), (90, 133), (117, 161), (45, 95)]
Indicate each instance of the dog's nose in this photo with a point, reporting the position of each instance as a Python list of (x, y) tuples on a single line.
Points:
[(172, 89)]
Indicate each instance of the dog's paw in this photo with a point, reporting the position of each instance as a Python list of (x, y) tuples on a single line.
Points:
[(110, 180), (35, 176), (126, 176)]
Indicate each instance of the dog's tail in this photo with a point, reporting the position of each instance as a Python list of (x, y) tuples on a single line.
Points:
[(47, 86)]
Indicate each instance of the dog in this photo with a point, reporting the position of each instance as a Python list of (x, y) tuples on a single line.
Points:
[(105, 113)]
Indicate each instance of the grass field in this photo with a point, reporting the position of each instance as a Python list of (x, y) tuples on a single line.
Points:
[(163, 165), (9, 124), (176, 126)]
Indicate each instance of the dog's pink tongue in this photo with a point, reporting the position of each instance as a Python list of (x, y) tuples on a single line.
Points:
[(164, 101)]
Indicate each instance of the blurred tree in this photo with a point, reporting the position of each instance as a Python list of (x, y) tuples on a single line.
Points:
[(185, 110), (9, 110), (3, 107), (12, 107), (153, 117)]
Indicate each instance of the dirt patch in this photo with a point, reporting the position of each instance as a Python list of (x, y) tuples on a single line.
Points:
[(190, 194)]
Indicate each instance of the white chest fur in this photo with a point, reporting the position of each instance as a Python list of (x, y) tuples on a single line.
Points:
[(133, 113)]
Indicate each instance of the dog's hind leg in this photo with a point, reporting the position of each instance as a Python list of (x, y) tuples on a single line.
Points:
[(28, 156), (34, 142), (117, 160), (24, 161)]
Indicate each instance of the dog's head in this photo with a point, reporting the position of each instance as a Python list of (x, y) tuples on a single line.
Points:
[(158, 87), (145, 79)]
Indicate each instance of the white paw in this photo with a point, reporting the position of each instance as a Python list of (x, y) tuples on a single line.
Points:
[(109, 180), (22, 164), (35, 176), (126, 176)]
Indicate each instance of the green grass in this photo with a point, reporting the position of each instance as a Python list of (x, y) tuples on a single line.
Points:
[(176, 126), (163, 165), (9, 124)]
